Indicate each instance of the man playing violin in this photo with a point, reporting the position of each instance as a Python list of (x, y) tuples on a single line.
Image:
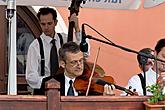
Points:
[(72, 60)]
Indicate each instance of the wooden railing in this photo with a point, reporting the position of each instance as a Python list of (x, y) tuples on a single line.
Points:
[(53, 101)]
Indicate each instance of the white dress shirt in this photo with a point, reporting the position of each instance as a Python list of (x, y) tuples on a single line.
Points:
[(67, 79), (33, 67), (135, 82)]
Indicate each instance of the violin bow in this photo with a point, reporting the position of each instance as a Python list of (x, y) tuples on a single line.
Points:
[(93, 69)]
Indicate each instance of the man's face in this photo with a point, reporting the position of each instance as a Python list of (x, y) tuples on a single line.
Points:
[(74, 64), (149, 64), (161, 55), (47, 24)]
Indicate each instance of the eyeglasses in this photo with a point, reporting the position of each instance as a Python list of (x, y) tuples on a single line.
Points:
[(76, 62)]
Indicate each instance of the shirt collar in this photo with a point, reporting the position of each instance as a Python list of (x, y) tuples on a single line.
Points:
[(150, 71), (67, 79), (48, 39)]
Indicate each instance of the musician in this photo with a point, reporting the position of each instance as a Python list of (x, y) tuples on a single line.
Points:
[(72, 60), (135, 82), (160, 53), (48, 20)]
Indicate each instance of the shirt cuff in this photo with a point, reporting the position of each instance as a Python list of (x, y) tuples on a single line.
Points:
[(78, 37)]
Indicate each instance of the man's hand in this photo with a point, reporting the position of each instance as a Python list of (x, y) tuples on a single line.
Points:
[(74, 18), (162, 81), (108, 90)]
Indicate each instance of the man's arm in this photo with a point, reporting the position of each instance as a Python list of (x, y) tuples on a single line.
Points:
[(32, 75), (78, 34)]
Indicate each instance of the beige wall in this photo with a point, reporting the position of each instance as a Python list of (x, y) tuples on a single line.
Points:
[(134, 29)]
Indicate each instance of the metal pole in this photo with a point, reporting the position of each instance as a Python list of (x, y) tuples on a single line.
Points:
[(12, 76)]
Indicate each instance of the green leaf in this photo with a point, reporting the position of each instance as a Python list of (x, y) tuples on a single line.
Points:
[(157, 93)]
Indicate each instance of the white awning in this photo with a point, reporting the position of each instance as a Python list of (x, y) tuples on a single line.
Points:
[(105, 4), (152, 3), (2, 3)]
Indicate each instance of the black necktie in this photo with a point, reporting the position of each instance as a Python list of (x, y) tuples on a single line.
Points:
[(54, 65), (70, 90)]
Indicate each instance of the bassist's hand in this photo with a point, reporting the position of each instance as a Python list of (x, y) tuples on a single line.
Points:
[(74, 18)]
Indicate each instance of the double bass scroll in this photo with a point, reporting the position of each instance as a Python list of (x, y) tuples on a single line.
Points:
[(74, 8)]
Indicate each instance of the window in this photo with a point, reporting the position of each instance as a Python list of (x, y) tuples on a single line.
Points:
[(24, 39)]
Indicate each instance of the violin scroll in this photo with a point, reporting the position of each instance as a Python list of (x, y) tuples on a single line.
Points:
[(74, 8)]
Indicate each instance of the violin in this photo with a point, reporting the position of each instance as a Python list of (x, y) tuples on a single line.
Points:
[(81, 82), (98, 81)]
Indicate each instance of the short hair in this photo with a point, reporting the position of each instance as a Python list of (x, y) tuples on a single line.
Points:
[(160, 44), (146, 51), (46, 11), (68, 47)]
